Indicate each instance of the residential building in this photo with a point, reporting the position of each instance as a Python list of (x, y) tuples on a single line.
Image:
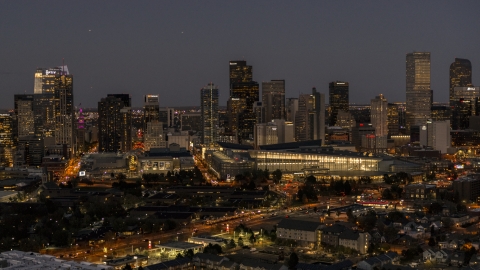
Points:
[(114, 123), (305, 232), (355, 240), (330, 234), (420, 192), (467, 188)]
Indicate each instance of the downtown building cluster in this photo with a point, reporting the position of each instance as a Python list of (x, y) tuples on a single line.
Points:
[(46, 123)]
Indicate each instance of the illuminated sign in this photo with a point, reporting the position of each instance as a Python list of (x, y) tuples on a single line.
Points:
[(81, 173), (233, 64), (471, 88), (50, 72), (235, 98), (424, 128), (340, 83)]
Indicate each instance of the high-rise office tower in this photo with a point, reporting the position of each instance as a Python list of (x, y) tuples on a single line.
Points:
[(114, 124), (291, 107), (273, 99), (6, 140), (47, 83), (338, 99), (243, 94), (466, 103), (460, 75), (64, 112), (379, 115), (167, 116), (209, 113), (53, 106), (310, 117), (418, 92), (393, 123), (151, 109), (259, 111), (24, 120)]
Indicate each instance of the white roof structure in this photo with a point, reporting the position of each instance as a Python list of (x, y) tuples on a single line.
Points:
[(20, 260)]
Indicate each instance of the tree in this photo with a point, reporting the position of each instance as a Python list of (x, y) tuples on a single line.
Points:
[(310, 180), (188, 253), (277, 175), (232, 244), (447, 222), (292, 261), (179, 256), (347, 187), (127, 267), (240, 241), (431, 242)]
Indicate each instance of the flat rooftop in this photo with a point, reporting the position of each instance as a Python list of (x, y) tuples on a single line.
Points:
[(179, 245)]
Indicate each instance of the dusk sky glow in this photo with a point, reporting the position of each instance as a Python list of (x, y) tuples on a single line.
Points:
[(174, 48)]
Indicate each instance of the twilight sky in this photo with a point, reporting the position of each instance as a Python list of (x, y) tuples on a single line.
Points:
[(174, 48)]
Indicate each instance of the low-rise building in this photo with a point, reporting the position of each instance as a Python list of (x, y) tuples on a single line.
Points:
[(305, 232), (172, 249), (378, 261), (420, 192), (355, 240), (330, 234)]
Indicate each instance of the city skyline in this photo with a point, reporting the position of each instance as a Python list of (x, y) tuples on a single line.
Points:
[(165, 42)]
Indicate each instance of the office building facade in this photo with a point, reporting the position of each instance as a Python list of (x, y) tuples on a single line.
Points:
[(418, 91), (338, 99), (209, 113), (114, 124), (460, 76), (244, 92), (465, 103), (310, 117), (151, 109), (273, 99), (379, 115)]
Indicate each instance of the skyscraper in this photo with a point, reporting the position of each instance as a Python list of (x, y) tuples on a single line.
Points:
[(460, 75), (379, 115), (310, 117), (64, 112), (243, 94), (418, 92), (24, 120), (466, 103), (53, 106), (291, 109), (209, 113), (151, 110), (338, 99), (114, 124), (273, 99), (6, 140)]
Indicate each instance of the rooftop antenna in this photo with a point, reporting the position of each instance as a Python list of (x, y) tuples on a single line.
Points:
[(63, 66)]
